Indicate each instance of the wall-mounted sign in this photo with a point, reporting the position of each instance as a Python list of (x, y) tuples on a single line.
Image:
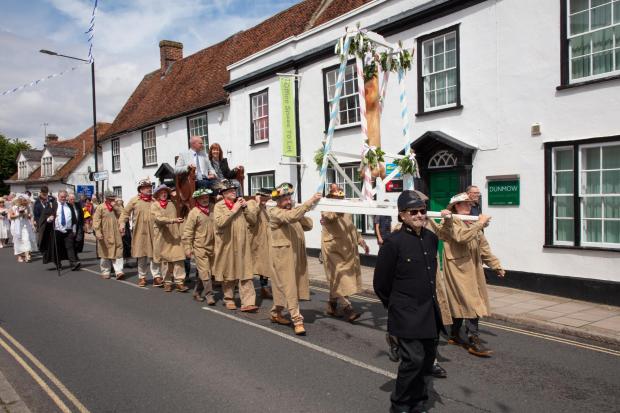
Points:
[(100, 176), (87, 190), (503, 192), (389, 168), (289, 134)]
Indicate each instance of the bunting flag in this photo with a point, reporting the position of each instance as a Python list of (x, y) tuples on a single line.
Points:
[(36, 82), (91, 33)]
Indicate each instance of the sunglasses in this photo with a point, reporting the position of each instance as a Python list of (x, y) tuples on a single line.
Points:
[(414, 212)]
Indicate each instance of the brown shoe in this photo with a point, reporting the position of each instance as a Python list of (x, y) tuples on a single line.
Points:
[(350, 315), (105, 276), (332, 308), (210, 300), (158, 282), (198, 297), (142, 282), (249, 309), (476, 348), (120, 276), (265, 292), (279, 319), (181, 287), (230, 305), (299, 329), (168, 288)]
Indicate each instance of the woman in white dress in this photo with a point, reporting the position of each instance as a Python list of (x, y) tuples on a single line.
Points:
[(5, 224), (24, 241)]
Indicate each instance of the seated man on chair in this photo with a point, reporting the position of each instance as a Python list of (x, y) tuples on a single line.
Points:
[(196, 157)]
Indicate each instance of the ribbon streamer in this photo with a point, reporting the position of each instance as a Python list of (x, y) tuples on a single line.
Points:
[(36, 82), (91, 33)]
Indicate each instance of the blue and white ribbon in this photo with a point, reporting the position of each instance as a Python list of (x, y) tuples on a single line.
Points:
[(91, 33), (36, 82)]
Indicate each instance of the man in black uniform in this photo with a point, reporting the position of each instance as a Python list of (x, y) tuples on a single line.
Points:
[(404, 280)]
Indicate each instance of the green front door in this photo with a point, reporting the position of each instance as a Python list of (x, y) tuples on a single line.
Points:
[(442, 186)]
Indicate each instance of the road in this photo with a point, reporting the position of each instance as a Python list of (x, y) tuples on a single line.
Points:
[(118, 348)]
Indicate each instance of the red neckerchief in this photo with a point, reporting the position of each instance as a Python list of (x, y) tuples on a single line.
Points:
[(146, 198), (229, 204), (205, 210), (163, 203), (108, 206)]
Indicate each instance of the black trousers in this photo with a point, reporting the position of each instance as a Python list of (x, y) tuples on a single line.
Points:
[(416, 358), (68, 240), (471, 326)]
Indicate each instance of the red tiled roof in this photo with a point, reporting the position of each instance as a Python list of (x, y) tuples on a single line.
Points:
[(196, 82), (81, 145)]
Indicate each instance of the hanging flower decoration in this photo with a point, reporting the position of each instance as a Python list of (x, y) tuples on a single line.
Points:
[(318, 157), (361, 46), (371, 156), (408, 164)]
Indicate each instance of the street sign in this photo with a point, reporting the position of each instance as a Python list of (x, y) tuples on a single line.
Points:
[(100, 176), (87, 190), (389, 168), (504, 192)]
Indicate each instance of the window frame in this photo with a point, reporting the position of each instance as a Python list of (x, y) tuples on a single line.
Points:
[(154, 147), (118, 144), (565, 55), (189, 131), (420, 78), (22, 169), (366, 219), (255, 174), (326, 102), (44, 165), (118, 191), (577, 147), (253, 142)]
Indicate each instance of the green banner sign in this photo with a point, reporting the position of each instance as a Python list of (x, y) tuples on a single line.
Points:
[(289, 137), (504, 192)]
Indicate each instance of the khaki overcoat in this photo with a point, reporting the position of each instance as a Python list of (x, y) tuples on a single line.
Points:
[(106, 223), (288, 253), (440, 282), (261, 241), (199, 239), (465, 250), (167, 245), (341, 261), (233, 243), (142, 235)]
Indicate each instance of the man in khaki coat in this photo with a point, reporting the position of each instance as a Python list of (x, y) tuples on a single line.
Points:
[(339, 241), (261, 241), (138, 209), (288, 252), (109, 241), (167, 239), (233, 249), (199, 240), (465, 251)]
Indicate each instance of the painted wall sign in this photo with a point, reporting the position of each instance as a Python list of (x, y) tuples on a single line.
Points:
[(504, 192)]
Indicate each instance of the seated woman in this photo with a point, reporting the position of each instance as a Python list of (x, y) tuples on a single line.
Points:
[(220, 165)]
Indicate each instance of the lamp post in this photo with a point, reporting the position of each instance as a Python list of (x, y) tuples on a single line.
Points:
[(92, 78)]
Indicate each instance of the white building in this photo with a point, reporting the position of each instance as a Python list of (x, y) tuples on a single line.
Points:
[(522, 104), (61, 164)]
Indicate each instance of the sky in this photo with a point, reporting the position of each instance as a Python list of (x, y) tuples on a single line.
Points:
[(126, 47)]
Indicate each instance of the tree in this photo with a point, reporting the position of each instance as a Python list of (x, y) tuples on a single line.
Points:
[(9, 149)]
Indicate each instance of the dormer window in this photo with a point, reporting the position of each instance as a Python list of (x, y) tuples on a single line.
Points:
[(46, 166), (22, 170)]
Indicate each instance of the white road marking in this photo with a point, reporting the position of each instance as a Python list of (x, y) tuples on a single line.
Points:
[(513, 330), (304, 343), (61, 405), (120, 281)]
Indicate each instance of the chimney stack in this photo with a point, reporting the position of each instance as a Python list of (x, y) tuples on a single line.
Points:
[(169, 52), (51, 138)]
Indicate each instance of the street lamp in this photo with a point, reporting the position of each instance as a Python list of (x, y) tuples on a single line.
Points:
[(92, 77)]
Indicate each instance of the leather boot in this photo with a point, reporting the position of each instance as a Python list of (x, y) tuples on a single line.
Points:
[(168, 287), (210, 299), (142, 282), (197, 297), (265, 292), (181, 287), (299, 329), (280, 319), (158, 282), (349, 314), (476, 347), (455, 337), (332, 308)]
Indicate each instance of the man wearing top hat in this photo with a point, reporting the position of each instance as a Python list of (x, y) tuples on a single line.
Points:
[(404, 281), (138, 209), (233, 246), (109, 241)]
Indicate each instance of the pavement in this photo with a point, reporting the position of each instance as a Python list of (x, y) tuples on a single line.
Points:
[(110, 346), (542, 312)]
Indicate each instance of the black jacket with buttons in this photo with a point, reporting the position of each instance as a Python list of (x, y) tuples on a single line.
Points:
[(404, 280)]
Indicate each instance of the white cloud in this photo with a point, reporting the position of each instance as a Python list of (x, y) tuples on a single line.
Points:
[(126, 48)]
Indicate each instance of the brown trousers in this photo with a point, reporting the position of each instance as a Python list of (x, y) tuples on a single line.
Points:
[(246, 291)]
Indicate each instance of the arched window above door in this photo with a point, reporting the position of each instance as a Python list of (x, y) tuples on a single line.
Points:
[(442, 159)]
